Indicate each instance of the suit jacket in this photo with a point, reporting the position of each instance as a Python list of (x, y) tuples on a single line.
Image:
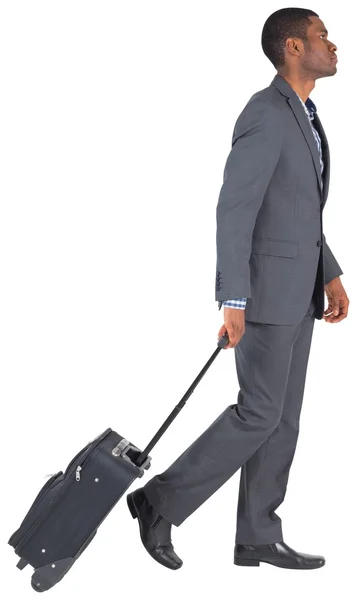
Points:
[(271, 247)]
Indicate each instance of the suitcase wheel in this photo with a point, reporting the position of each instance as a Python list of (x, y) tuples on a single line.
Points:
[(35, 587), (44, 578)]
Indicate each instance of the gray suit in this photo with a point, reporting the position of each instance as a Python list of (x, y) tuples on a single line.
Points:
[(269, 213), (270, 249)]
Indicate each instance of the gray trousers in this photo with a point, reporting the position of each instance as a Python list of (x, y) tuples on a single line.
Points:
[(257, 434)]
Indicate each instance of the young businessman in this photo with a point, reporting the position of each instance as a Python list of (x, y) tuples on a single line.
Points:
[(273, 267)]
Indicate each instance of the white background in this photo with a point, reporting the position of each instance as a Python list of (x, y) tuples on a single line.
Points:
[(116, 121)]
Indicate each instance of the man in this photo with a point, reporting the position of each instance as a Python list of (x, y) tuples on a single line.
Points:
[(273, 266)]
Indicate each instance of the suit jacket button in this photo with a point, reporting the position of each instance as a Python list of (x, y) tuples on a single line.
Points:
[(319, 243)]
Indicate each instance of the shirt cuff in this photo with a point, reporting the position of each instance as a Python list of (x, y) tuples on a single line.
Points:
[(236, 303)]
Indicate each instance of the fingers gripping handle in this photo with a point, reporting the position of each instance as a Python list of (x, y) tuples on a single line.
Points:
[(223, 341)]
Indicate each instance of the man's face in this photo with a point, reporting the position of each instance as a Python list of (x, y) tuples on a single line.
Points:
[(319, 55)]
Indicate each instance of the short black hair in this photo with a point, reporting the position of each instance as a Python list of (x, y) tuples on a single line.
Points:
[(282, 24)]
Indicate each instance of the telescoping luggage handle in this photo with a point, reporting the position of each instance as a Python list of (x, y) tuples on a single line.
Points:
[(222, 342)]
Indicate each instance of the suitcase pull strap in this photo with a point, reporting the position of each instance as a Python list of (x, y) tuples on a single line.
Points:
[(222, 342)]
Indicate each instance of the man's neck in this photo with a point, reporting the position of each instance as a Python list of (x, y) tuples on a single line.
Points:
[(302, 85)]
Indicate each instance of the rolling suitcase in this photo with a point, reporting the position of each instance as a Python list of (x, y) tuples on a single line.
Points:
[(65, 515)]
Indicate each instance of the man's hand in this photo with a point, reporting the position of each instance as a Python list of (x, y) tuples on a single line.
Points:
[(234, 325), (338, 301)]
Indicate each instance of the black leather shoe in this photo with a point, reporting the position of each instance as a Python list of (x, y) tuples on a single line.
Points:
[(278, 554), (155, 530)]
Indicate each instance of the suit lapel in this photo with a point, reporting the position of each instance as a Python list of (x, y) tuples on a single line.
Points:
[(325, 156), (283, 86), (305, 127)]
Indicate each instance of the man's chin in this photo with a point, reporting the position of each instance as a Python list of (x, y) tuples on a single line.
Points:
[(328, 73), (334, 67)]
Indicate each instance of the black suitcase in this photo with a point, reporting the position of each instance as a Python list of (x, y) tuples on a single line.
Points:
[(66, 513)]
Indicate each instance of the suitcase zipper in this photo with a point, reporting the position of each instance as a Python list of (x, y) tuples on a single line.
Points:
[(89, 452), (86, 451)]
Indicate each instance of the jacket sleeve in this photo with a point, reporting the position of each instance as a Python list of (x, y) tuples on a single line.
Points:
[(331, 267), (256, 148)]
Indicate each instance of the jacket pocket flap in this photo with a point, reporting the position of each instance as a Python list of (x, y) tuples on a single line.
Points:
[(274, 247)]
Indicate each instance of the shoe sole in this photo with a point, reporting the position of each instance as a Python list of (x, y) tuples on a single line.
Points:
[(246, 562), (252, 562), (134, 514), (131, 506)]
